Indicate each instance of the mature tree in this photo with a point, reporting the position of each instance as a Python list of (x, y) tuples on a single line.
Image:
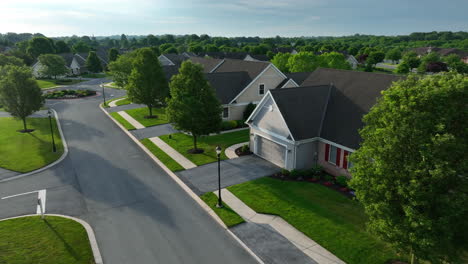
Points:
[(303, 62), (193, 105), (393, 54), (124, 44), (410, 172), (403, 67), (113, 54), (19, 93), (280, 60), (454, 63), (147, 83), (121, 68), (334, 60), (375, 57), (40, 45), (61, 47), (195, 48), (412, 59), (211, 48), (10, 60), (81, 46), (430, 58), (93, 63), (52, 65)]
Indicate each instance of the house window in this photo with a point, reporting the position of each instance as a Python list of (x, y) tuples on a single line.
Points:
[(225, 112), (261, 89), (332, 154)]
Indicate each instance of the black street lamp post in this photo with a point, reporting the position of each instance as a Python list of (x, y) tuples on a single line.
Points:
[(103, 94), (220, 201), (49, 113)]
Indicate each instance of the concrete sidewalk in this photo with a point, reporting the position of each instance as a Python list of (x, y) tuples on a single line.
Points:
[(154, 131), (179, 158), (131, 120), (301, 241)]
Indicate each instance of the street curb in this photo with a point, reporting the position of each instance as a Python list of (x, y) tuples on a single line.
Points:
[(87, 227), (184, 187), (65, 153)]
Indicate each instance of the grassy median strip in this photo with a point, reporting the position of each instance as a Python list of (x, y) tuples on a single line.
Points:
[(229, 217), (24, 152), (122, 121), (182, 143), (162, 156), (140, 113), (326, 216), (54, 240), (125, 101), (49, 83)]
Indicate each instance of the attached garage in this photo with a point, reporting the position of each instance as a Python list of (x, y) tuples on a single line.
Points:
[(271, 151)]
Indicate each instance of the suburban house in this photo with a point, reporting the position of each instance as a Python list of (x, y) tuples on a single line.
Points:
[(442, 52), (172, 59), (37, 66), (352, 61), (318, 122)]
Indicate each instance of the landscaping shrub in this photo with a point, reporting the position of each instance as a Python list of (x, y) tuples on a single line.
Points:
[(68, 94), (233, 123), (285, 172), (342, 181), (226, 125), (245, 148), (328, 178), (295, 174), (248, 110)]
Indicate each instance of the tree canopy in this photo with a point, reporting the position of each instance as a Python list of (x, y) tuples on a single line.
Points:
[(93, 63), (410, 172), (20, 94), (193, 105), (40, 45), (147, 83), (52, 65), (113, 54), (121, 68)]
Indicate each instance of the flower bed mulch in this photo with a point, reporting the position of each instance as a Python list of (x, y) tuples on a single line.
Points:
[(68, 94), (239, 152)]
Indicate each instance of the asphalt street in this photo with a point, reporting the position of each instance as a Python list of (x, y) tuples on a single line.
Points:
[(139, 214)]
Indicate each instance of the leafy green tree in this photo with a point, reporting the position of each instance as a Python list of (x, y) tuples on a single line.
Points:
[(40, 45), (113, 54), (195, 48), (411, 58), (426, 60), (93, 63), (81, 46), (280, 60), (454, 62), (52, 65), (10, 60), (211, 48), (124, 44), (147, 83), (193, 105), (171, 50), (334, 60), (394, 54), (19, 93), (410, 172), (403, 68), (303, 62), (121, 68), (61, 47), (375, 57)]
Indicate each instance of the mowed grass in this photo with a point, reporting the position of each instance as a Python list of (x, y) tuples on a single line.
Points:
[(24, 152), (125, 101), (182, 143), (327, 217), (140, 113), (162, 156), (48, 83), (54, 240), (227, 215), (122, 121)]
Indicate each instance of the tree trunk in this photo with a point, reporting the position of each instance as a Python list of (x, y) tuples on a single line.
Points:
[(150, 111), (194, 141), (24, 124)]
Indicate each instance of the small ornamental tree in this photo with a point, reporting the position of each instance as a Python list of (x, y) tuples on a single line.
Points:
[(147, 83), (93, 63), (19, 93), (410, 172), (52, 65), (193, 105)]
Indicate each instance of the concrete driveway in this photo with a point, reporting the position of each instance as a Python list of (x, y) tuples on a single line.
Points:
[(204, 178)]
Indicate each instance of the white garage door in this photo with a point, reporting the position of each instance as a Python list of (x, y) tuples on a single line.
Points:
[(271, 151)]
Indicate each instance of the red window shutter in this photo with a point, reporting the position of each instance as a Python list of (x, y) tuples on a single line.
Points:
[(327, 151), (345, 159), (338, 156)]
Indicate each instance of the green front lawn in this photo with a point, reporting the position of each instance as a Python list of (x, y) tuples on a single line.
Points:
[(49, 83), (54, 240), (326, 216), (162, 156), (182, 143), (227, 215), (122, 121), (23, 152), (125, 101), (140, 113)]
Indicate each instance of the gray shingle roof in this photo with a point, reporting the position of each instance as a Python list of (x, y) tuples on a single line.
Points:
[(207, 63), (298, 77), (253, 68), (228, 84), (302, 108), (177, 59), (352, 95), (170, 71)]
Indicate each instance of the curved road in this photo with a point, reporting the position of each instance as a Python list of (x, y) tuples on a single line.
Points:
[(139, 214)]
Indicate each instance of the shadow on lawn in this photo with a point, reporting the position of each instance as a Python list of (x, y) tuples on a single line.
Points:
[(65, 243)]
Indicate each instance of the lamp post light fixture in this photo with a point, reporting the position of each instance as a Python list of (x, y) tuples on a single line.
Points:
[(220, 201), (49, 113)]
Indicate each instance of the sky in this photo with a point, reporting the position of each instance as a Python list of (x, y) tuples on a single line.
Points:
[(264, 18)]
